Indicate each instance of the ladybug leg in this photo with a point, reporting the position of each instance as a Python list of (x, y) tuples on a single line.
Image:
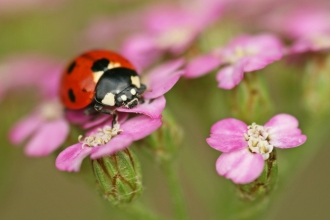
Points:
[(115, 119), (99, 108), (142, 89), (90, 110)]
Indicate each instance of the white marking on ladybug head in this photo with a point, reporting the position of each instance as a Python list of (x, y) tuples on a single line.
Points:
[(133, 91), (109, 99), (123, 97), (97, 75), (135, 81)]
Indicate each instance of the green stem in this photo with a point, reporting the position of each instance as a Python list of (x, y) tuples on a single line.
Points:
[(177, 197), (138, 211)]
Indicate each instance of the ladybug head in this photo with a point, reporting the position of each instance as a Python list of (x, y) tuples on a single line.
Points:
[(129, 97), (119, 87)]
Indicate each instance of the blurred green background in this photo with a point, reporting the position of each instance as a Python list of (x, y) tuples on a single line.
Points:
[(32, 188)]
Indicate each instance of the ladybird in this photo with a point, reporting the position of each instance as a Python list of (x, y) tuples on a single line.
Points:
[(102, 79)]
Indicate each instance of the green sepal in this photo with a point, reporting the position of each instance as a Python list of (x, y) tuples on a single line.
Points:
[(163, 144), (118, 177), (265, 183)]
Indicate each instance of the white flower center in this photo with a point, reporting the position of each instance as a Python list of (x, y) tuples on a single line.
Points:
[(102, 137), (239, 52), (51, 110), (174, 37), (321, 41), (258, 140)]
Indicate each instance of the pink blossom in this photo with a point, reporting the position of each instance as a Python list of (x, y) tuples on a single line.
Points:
[(30, 70), (46, 127), (106, 140), (246, 147), (111, 30), (243, 54), (310, 27), (307, 25), (168, 29), (158, 81)]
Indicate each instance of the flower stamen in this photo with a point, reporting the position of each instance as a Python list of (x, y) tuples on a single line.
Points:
[(257, 137), (102, 137)]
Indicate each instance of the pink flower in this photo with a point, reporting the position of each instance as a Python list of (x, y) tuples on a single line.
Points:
[(106, 140), (243, 54), (46, 127), (168, 29), (310, 27), (158, 81), (246, 147), (30, 70), (111, 30)]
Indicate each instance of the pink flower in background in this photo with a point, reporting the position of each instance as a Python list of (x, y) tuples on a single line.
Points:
[(46, 127), (307, 25), (246, 147), (243, 54), (158, 81), (168, 29), (111, 30), (310, 27), (106, 140), (30, 70)]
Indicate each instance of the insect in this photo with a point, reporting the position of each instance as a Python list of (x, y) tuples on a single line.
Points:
[(101, 79)]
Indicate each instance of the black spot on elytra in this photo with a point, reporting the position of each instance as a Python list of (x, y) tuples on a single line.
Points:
[(71, 95), (71, 67), (84, 90), (100, 65)]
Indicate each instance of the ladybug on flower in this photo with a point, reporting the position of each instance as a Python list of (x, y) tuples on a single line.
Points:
[(101, 80)]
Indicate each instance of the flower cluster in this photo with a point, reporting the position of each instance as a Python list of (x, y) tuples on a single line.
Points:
[(243, 54), (245, 148), (163, 48), (48, 125)]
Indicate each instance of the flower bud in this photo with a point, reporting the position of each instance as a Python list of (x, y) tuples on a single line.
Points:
[(164, 142), (250, 100), (118, 177), (264, 184), (317, 84)]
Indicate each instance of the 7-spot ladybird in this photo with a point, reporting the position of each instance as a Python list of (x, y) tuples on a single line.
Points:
[(101, 78)]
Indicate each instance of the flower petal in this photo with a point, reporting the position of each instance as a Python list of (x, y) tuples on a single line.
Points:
[(141, 50), (282, 122), (284, 132), (202, 65), (118, 143), (48, 138), (24, 128), (163, 78), (228, 77), (228, 135), (241, 166), (258, 62), (141, 126), (71, 158), (133, 129), (282, 141), (152, 108)]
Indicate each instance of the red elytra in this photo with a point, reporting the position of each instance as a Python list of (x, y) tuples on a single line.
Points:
[(78, 82)]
